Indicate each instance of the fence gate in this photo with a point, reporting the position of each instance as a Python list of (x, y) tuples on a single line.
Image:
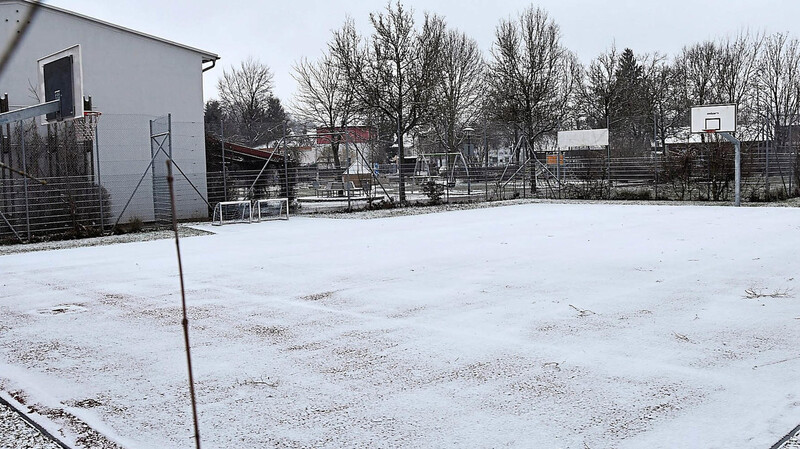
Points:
[(161, 152)]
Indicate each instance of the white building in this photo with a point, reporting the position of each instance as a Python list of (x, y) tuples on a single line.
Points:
[(132, 78)]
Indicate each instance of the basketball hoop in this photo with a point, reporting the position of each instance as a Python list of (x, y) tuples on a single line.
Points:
[(85, 126)]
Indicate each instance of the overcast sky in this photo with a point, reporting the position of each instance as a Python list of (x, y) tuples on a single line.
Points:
[(279, 33)]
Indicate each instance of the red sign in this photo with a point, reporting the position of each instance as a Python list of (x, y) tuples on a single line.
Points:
[(353, 134)]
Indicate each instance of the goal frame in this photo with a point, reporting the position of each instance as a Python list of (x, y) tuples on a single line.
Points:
[(257, 207), (218, 219)]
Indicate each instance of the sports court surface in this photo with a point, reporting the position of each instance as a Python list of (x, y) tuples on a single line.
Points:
[(540, 325)]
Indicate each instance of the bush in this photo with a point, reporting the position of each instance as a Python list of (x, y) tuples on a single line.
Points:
[(433, 191), (134, 225), (635, 195)]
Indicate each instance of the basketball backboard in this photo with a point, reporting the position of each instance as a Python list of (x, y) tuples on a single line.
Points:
[(62, 72), (583, 138), (714, 118)]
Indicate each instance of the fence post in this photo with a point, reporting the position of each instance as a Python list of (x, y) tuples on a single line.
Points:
[(222, 145), (653, 156), (767, 193), (25, 180), (99, 183), (486, 166)]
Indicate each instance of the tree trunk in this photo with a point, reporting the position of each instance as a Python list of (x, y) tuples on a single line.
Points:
[(335, 152)]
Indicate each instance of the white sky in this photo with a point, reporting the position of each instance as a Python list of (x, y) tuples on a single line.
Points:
[(280, 33)]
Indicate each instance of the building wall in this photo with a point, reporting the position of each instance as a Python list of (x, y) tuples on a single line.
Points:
[(131, 79)]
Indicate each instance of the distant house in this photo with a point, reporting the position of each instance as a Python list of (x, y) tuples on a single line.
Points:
[(132, 78), (353, 138)]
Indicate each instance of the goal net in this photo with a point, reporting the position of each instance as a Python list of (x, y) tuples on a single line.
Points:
[(271, 209), (228, 212)]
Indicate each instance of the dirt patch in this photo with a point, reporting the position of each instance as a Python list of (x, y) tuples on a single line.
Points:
[(63, 309)]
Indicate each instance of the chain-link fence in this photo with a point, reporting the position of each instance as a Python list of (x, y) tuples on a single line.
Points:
[(64, 181), (57, 182)]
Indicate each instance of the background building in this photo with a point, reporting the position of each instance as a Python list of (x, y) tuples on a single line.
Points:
[(132, 78)]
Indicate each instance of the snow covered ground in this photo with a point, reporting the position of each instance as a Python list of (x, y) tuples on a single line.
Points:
[(538, 325)]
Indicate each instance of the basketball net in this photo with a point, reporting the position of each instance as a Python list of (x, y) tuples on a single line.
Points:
[(85, 126)]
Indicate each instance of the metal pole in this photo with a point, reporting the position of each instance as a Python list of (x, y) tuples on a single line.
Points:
[(738, 173), (401, 180), (347, 185), (99, 183), (767, 194), (224, 174), (25, 180), (791, 148), (608, 159), (169, 131), (738, 160), (285, 160), (486, 168), (653, 156), (469, 151), (558, 170)]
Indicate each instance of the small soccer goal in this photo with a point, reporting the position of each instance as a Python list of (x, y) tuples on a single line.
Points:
[(271, 209), (228, 212)]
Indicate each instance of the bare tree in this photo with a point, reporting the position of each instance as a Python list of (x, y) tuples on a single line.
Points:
[(533, 78), (736, 77), (737, 63), (780, 78), (460, 92), (697, 66), (600, 89), (394, 72), (246, 97), (662, 91), (324, 97)]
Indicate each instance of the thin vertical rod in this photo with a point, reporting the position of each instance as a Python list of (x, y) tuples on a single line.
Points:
[(185, 320), (738, 164), (285, 160), (653, 156), (608, 158), (768, 194), (347, 185), (25, 179), (222, 142), (99, 183), (486, 166)]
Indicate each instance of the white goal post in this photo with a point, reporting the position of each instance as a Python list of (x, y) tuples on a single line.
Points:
[(227, 212), (271, 209), (245, 211)]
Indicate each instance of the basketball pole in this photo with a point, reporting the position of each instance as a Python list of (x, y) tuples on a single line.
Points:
[(738, 163)]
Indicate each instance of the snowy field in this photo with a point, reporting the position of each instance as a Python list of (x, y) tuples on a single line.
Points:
[(541, 325)]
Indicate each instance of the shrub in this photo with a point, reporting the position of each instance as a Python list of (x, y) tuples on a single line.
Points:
[(433, 191), (635, 195)]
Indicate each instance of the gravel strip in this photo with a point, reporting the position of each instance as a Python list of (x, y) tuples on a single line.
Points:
[(16, 433), (183, 231), (419, 209)]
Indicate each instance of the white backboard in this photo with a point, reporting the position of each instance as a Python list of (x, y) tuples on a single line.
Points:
[(714, 117), (68, 77), (583, 138)]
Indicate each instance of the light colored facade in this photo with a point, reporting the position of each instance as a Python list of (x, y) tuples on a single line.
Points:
[(132, 78)]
